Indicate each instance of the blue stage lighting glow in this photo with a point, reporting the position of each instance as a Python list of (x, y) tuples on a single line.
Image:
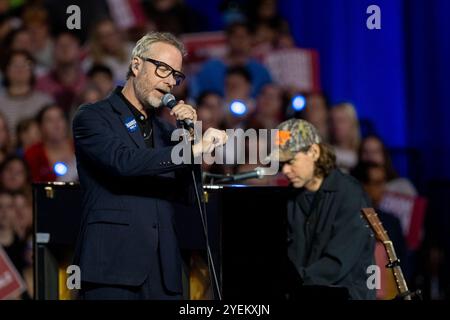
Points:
[(238, 108), (298, 102), (60, 168)]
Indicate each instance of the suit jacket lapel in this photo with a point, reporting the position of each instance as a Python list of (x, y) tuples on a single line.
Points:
[(127, 119)]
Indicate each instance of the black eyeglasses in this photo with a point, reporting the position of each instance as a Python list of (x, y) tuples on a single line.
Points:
[(163, 70)]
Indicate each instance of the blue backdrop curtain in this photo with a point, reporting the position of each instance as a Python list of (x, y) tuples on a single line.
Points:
[(428, 85)]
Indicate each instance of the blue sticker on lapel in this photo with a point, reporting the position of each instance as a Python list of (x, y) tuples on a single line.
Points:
[(131, 124)]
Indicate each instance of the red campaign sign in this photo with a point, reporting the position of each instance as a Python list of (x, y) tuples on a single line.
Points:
[(204, 45), (295, 67), (410, 210), (11, 284)]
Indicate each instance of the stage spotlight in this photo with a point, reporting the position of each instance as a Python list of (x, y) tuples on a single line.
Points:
[(60, 168), (298, 102), (238, 108)]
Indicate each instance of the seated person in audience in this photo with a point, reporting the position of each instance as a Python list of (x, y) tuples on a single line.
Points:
[(36, 20), (23, 220), (90, 94), (212, 74), (9, 20), (344, 135), (316, 112), (9, 240), (239, 105), (269, 108), (372, 149), (108, 47), (19, 39), (20, 99), (210, 110), (53, 159), (66, 80), (174, 16), (27, 133), (266, 23), (5, 138), (211, 113), (101, 77), (14, 175)]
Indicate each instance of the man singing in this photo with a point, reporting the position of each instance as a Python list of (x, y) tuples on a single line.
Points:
[(127, 247)]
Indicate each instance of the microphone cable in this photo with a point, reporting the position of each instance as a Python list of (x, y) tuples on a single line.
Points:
[(214, 282), (211, 266)]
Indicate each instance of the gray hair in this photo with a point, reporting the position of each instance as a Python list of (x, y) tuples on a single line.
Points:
[(143, 45)]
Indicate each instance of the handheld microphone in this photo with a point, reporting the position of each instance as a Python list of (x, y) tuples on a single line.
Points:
[(258, 173), (169, 101)]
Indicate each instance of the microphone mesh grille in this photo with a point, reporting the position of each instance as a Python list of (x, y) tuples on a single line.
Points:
[(167, 99)]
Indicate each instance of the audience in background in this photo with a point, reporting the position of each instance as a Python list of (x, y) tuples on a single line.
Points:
[(210, 110), (9, 20), (66, 80), (102, 78), (266, 25), (36, 21), (19, 39), (212, 74), (9, 240), (5, 138), (173, 16), (211, 113), (239, 105), (269, 108), (23, 221), (316, 112), (14, 176), (27, 133), (109, 48), (90, 94), (345, 135), (372, 149), (53, 159), (20, 100)]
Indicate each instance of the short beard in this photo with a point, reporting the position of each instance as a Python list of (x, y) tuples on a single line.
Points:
[(143, 95)]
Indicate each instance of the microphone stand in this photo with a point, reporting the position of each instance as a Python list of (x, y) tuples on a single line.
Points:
[(203, 216)]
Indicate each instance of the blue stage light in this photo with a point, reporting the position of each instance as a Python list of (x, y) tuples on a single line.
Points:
[(238, 108), (60, 168), (298, 102)]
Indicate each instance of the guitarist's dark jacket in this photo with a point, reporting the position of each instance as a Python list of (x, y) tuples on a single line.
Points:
[(329, 242)]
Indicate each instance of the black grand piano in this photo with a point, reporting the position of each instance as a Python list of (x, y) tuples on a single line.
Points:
[(246, 228)]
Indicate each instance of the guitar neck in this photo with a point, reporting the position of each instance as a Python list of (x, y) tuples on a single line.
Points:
[(397, 270), (382, 236)]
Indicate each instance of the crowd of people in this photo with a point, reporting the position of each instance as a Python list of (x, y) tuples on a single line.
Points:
[(47, 74)]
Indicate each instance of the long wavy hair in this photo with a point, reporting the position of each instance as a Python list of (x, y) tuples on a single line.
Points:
[(326, 162)]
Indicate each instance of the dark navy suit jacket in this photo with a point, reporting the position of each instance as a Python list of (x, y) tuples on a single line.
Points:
[(128, 191)]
